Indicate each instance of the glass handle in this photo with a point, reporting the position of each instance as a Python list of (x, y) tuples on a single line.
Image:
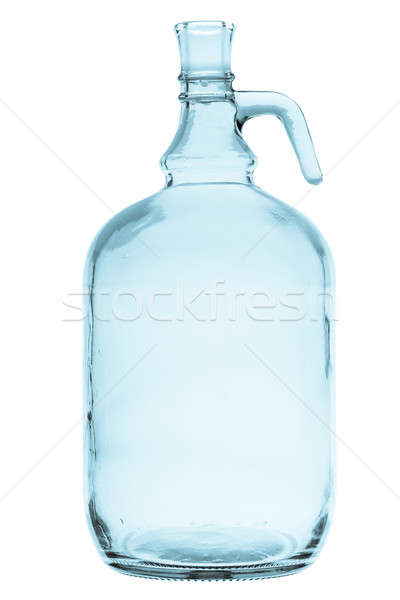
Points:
[(254, 104)]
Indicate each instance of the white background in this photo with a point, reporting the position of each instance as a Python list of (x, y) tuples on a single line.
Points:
[(88, 103)]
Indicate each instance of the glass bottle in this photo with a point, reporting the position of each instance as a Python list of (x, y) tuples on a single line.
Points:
[(208, 351)]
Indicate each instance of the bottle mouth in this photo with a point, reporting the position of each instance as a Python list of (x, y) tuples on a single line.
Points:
[(205, 26), (205, 49)]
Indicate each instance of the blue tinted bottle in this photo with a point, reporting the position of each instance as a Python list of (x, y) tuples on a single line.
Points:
[(208, 351)]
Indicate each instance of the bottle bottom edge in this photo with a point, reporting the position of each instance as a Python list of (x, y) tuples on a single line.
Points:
[(210, 553), (201, 573)]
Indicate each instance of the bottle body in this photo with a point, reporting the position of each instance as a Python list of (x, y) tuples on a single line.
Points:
[(208, 385)]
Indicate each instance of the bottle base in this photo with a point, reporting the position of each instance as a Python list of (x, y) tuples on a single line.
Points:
[(210, 553), (225, 573)]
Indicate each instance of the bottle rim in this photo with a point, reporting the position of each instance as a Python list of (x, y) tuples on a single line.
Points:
[(205, 25)]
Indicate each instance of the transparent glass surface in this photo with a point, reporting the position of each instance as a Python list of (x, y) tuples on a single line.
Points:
[(208, 353)]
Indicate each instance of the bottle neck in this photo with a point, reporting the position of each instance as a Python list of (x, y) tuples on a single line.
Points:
[(208, 146)]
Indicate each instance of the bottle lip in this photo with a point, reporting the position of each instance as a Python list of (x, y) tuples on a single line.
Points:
[(204, 25)]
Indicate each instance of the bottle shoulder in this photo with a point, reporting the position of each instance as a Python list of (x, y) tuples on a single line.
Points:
[(298, 228), (231, 218), (125, 226)]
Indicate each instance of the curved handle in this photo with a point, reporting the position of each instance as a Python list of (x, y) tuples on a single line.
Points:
[(253, 104)]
